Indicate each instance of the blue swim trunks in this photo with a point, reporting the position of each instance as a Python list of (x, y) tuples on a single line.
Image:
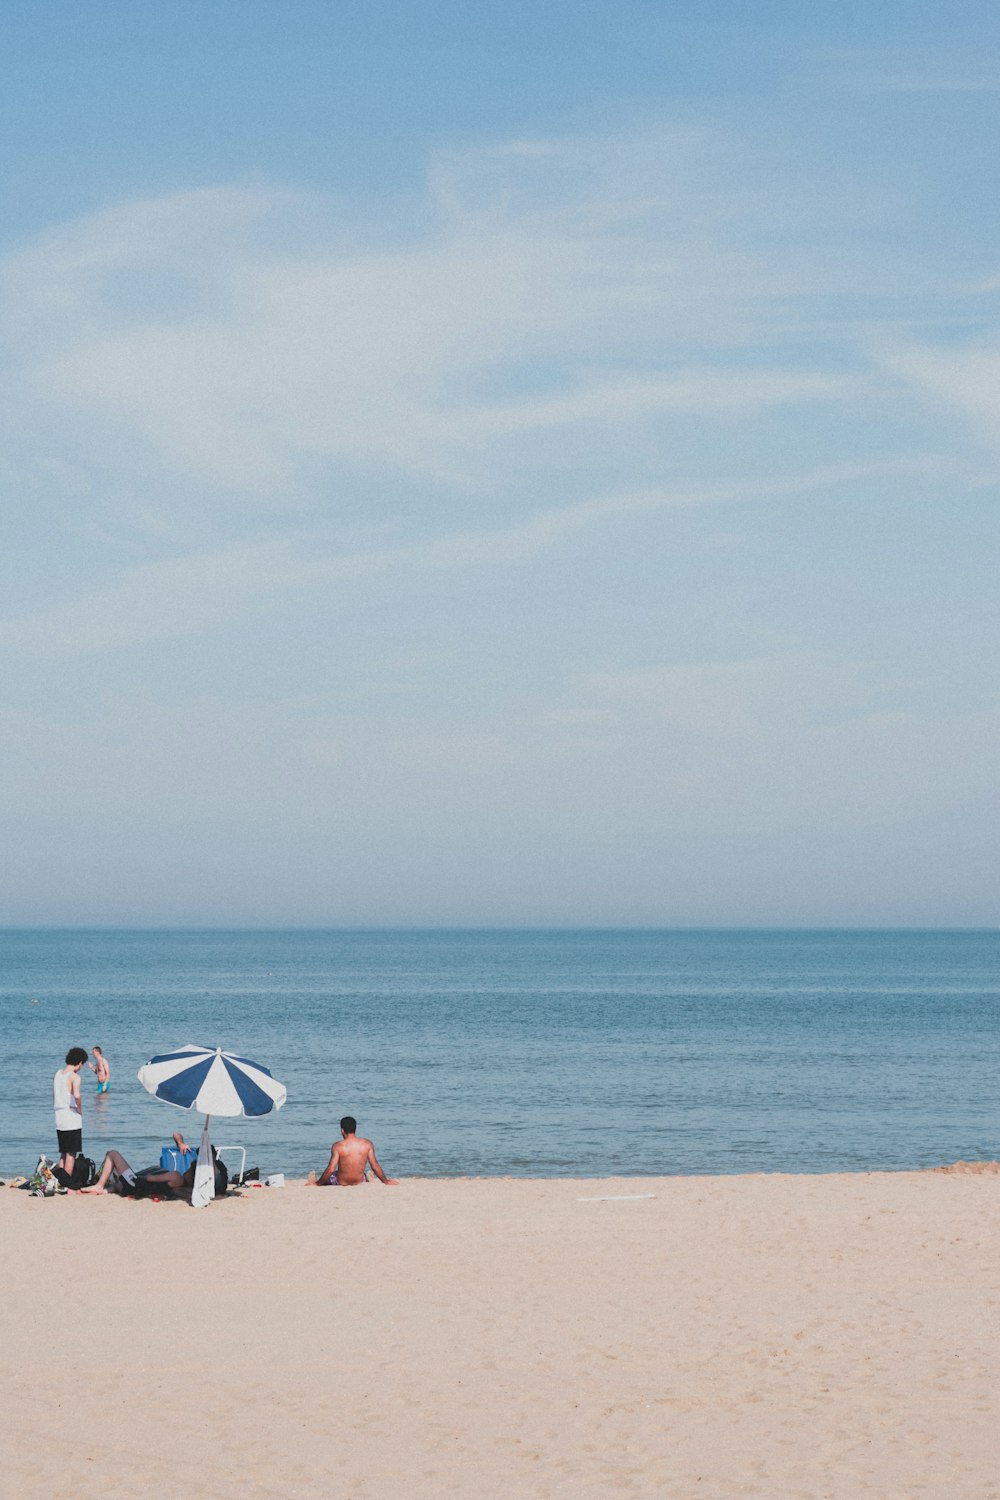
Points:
[(102, 1088)]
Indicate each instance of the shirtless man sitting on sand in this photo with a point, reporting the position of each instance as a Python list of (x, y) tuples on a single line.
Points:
[(349, 1157)]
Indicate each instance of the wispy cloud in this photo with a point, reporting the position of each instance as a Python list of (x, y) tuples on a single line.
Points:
[(195, 593), (912, 68), (963, 380), (758, 698), (257, 341), (925, 83)]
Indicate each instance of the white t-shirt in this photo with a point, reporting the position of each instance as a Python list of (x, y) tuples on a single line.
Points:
[(65, 1104)]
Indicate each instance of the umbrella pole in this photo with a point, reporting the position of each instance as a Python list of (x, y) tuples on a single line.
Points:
[(205, 1168)]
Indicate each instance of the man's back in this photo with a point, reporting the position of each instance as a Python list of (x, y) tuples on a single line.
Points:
[(352, 1155), (66, 1099), (348, 1159)]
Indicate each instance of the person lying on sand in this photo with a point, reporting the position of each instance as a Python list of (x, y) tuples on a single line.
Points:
[(350, 1158), (116, 1176)]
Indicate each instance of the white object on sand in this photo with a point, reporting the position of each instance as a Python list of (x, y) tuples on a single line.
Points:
[(616, 1198), (203, 1190)]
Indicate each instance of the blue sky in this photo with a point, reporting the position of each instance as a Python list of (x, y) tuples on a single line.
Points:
[(499, 465)]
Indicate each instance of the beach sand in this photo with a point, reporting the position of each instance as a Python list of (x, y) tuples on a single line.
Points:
[(777, 1336)]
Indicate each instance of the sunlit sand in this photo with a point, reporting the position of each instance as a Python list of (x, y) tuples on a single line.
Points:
[(775, 1336)]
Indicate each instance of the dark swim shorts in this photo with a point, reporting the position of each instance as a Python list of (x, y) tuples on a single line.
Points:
[(70, 1141)]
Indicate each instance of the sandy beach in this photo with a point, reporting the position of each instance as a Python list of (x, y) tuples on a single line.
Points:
[(777, 1336)]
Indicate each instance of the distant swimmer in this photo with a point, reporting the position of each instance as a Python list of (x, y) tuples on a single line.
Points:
[(350, 1158), (103, 1070)]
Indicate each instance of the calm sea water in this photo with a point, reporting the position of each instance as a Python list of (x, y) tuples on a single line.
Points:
[(528, 1053)]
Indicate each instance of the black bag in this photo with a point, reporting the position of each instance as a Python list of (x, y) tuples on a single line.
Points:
[(84, 1173)]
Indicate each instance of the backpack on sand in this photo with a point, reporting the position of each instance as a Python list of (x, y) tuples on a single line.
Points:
[(84, 1173)]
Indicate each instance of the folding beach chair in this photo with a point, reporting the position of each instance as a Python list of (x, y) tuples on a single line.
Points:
[(237, 1179)]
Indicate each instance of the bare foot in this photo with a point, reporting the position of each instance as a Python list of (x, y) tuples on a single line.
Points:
[(95, 1190), (310, 1179)]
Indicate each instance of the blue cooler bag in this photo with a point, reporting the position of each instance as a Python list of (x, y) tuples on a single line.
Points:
[(174, 1160)]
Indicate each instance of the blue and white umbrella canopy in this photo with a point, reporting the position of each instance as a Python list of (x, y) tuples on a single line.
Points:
[(212, 1081)]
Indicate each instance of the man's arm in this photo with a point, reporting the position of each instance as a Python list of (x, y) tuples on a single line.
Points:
[(373, 1163), (330, 1167), (74, 1088)]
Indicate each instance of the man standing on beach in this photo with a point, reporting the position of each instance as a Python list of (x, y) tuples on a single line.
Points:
[(66, 1103), (103, 1070), (350, 1157)]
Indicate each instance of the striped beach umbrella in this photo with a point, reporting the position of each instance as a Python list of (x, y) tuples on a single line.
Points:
[(215, 1083), (212, 1081)]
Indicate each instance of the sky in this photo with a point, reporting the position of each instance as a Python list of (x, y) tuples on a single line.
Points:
[(523, 465)]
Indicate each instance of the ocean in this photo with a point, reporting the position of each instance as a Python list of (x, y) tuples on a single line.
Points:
[(527, 1053)]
